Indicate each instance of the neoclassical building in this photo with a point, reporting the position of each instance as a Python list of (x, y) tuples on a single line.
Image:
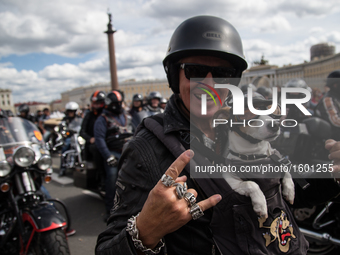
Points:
[(6, 100), (314, 72), (81, 95), (323, 61)]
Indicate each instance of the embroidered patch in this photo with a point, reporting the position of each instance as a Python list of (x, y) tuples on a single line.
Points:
[(280, 229)]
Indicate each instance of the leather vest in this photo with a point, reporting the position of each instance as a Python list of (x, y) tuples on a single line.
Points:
[(117, 135), (235, 227)]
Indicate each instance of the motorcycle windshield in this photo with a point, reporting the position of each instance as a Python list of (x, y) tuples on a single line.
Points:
[(19, 131), (75, 124)]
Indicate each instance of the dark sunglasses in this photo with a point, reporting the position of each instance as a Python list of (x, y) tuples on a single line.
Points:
[(220, 74)]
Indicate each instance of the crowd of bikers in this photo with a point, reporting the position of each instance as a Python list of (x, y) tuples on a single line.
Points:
[(106, 126)]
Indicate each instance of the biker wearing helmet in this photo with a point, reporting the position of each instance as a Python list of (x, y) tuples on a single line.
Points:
[(328, 107), (293, 112), (137, 104), (111, 131), (46, 131), (24, 112), (97, 100), (153, 103), (245, 87), (71, 109), (148, 214), (162, 103), (264, 91), (137, 111)]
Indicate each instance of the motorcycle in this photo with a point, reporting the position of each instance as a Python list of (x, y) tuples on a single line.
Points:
[(304, 145), (29, 223), (69, 135), (91, 177)]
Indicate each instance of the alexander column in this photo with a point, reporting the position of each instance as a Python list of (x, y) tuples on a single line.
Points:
[(112, 56)]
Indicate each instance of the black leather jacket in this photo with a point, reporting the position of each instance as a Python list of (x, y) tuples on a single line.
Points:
[(231, 224), (143, 162)]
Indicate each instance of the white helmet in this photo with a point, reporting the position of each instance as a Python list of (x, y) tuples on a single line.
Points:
[(71, 106)]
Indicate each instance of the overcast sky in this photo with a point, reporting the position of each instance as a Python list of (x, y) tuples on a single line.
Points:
[(48, 47)]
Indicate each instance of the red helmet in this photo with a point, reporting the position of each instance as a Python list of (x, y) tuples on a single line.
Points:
[(114, 100), (98, 96)]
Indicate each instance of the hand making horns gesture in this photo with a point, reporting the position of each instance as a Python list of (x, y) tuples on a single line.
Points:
[(170, 205)]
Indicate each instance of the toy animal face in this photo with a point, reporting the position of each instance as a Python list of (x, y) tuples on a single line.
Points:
[(264, 128)]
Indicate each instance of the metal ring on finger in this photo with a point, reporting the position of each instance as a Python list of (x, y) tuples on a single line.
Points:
[(167, 180), (180, 189), (190, 198), (196, 212)]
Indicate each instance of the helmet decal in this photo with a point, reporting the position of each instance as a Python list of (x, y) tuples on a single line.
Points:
[(118, 95), (212, 35)]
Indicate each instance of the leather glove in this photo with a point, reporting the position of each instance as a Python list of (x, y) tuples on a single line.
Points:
[(112, 161)]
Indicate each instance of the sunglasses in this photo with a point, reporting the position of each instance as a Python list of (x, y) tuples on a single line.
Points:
[(220, 74)]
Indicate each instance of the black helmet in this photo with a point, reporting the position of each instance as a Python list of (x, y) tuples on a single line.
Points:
[(24, 108), (297, 83), (245, 87), (9, 113), (155, 94), (203, 35), (333, 78), (113, 101), (137, 97), (98, 96), (3, 113), (257, 99), (264, 91)]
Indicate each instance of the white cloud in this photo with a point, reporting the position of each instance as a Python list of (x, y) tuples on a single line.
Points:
[(282, 31), (316, 30), (272, 25)]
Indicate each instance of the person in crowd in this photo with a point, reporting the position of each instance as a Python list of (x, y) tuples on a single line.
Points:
[(44, 129), (70, 118), (24, 112), (111, 131), (152, 106), (38, 115), (328, 107), (265, 92), (87, 129), (9, 113), (316, 96), (137, 104), (245, 87), (163, 102), (137, 112), (154, 211), (293, 112)]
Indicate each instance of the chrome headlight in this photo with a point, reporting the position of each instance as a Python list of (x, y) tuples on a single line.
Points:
[(81, 140), (5, 168), (56, 129), (45, 162), (24, 156)]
